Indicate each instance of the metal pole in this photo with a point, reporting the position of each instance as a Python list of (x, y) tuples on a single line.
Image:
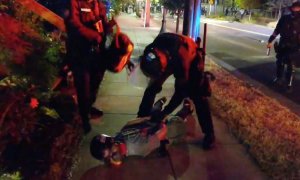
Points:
[(163, 22), (195, 32), (177, 21), (279, 11), (204, 40), (186, 18)]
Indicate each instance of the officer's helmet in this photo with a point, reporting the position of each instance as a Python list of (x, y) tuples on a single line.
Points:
[(153, 63), (119, 52)]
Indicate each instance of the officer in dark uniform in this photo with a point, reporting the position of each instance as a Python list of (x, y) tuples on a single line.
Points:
[(87, 26), (178, 55), (288, 28)]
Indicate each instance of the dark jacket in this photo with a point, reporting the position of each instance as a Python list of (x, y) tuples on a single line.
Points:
[(186, 63), (181, 51), (288, 27)]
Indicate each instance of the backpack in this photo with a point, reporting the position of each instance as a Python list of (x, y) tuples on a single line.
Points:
[(119, 51)]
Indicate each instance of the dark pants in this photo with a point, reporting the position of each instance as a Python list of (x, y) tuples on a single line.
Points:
[(200, 101), (154, 87), (88, 73), (203, 113), (282, 61)]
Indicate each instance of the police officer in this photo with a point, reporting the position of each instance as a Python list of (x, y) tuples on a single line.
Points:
[(288, 28), (87, 27), (173, 54)]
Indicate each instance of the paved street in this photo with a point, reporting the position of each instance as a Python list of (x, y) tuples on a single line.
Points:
[(120, 97), (241, 48)]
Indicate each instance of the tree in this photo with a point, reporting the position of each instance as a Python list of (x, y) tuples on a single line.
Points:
[(249, 5), (226, 4), (276, 6), (176, 7), (127, 3)]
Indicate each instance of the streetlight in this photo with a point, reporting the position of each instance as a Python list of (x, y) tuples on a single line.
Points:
[(163, 22)]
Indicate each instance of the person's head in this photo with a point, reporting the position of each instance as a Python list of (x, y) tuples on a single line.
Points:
[(153, 62), (104, 148), (295, 8)]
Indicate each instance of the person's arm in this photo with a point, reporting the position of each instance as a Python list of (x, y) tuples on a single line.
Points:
[(178, 96), (161, 134), (75, 22), (276, 32), (154, 87), (187, 53)]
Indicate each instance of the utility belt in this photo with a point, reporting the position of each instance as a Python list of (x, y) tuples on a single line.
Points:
[(285, 47), (201, 84)]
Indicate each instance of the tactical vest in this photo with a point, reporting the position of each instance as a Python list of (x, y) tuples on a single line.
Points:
[(290, 34), (90, 12)]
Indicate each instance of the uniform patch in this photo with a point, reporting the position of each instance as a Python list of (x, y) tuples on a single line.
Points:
[(85, 10)]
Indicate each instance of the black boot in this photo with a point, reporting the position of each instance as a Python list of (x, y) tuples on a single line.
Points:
[(278, 81), (95, 113), (208, 141), (186, 109), (279, 72), (86, 127), (290, 85), (290, 77), (162, 148)]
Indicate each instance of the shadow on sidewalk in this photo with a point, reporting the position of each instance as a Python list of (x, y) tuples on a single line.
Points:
[(148, 168)]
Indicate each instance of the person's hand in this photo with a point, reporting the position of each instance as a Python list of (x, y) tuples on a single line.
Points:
[(158, 116), (269, 45), (112, 22), (130, 66), (111, 25)]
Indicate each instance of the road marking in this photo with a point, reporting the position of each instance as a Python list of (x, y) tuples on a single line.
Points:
[(238, 29)]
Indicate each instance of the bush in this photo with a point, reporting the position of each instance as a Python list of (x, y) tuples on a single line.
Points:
[(37, 133), (269, 130), (40, 130)]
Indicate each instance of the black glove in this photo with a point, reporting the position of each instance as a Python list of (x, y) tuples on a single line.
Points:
[(130, 66), (156, 121), (158, 117)]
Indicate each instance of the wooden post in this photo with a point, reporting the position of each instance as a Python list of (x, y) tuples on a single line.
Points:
[(44, 12), (204, 40), (147, 13), (163, 22)]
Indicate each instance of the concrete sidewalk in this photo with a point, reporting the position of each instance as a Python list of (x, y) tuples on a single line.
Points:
[(120, 100)]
